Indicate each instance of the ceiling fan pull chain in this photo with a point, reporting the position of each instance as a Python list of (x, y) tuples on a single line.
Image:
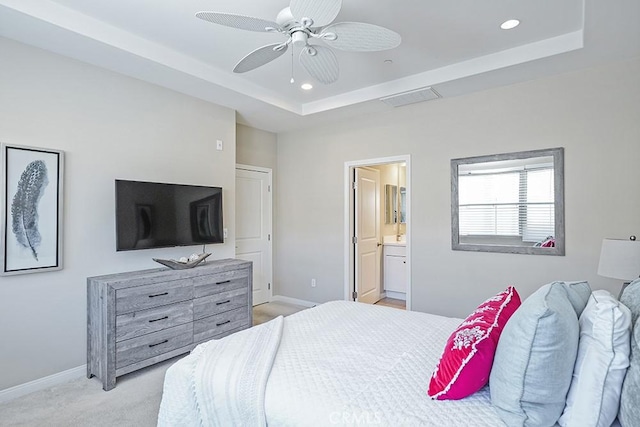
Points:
[(292, 81)]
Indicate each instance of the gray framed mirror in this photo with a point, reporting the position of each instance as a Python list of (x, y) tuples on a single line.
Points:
[(510, 203)]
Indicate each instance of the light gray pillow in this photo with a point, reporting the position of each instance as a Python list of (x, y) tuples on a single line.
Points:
[(631, 298), (534, 361), (578, 293), (629, 409)]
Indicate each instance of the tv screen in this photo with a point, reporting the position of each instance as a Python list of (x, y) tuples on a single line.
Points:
[(155, 215)]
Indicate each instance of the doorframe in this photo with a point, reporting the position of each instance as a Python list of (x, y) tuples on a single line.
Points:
[(349, 227), (269, 173)]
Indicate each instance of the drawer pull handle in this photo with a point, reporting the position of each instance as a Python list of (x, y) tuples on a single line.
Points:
[(223, 302), (161, 342), (157, 320), (224, 281), (159, 295), (223, 323)]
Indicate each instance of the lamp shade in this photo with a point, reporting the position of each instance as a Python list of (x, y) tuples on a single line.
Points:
[(620, 259)]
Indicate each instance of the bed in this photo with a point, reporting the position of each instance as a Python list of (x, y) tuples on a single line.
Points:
[(565, 355), (373, 369)]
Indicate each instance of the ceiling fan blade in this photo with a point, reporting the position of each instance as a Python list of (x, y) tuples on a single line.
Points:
[(360, 37), (238, 21), (322, 66), (323, 12), (259, 57)]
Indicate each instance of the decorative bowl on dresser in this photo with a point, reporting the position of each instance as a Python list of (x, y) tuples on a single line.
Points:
[(139, 318)]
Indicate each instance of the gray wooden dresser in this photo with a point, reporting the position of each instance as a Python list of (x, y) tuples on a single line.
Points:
[(139, 318)]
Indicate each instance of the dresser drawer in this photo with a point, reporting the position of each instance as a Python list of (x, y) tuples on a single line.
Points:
[(219, 303), (220, 282), (148, 296), (212, 326), (144, 322), (147, 346)]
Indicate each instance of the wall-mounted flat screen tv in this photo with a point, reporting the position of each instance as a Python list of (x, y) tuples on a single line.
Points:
[(156, 215)]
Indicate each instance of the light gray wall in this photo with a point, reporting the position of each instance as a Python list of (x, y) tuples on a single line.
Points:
[(110, 126), (256, 147), (594, 114)]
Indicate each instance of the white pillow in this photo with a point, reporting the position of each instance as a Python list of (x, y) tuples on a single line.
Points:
[(603, 358)]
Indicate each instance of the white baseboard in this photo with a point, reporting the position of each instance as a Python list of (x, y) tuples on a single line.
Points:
[(396, 295), (288, 300), (42, 383)]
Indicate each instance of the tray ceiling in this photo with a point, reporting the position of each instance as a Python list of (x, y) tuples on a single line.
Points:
[(456, 47)]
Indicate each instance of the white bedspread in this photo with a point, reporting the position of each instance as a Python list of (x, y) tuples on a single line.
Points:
[(222, 383), (345, 363)]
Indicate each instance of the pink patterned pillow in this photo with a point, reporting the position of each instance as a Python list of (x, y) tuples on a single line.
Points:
[(466, 361)]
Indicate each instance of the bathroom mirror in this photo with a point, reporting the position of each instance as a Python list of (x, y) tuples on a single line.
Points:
[(391, 204), (511, 203)]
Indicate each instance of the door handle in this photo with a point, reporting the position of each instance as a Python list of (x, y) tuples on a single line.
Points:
[(379, 244)]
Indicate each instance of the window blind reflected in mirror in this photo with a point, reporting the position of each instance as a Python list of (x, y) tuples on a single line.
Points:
[(510, 202)]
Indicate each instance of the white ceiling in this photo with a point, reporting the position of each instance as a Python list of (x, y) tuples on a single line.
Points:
[(455, 46)]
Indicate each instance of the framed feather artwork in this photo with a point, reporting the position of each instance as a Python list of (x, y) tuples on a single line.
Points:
[(31, 229)]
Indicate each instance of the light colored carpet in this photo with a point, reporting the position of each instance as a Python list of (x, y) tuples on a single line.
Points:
[(134, 402), (82, 402), (264, 312)]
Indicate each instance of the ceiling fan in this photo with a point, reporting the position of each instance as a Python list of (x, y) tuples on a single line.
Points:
[(302, 22)]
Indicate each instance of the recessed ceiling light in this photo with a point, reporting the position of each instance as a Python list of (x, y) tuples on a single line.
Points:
[(388, 61), (306, 86), (511, 23)]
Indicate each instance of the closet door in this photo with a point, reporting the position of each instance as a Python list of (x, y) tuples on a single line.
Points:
[(253, 227)]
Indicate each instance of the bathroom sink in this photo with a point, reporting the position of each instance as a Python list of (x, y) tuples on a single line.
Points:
[(393, 240)]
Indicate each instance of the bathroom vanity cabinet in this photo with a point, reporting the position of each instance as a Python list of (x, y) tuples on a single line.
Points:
[(395, 270)]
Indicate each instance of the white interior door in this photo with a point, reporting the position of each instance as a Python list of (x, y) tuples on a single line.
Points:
[(253, 227), (367, 227)]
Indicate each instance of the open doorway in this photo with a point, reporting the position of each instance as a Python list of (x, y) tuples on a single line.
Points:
[(377, 231)]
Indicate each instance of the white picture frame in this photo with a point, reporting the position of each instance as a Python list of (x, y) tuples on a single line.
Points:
[(31, 231)]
